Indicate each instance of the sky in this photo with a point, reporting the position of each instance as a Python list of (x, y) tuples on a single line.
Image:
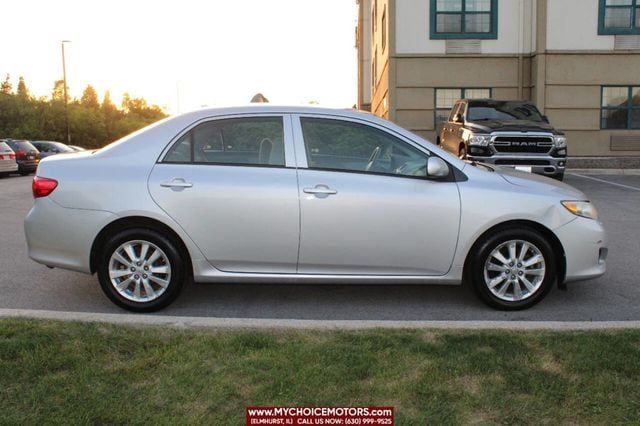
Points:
[(186, 54)]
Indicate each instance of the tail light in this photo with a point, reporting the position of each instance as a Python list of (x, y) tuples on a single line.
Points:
[(42, 187), (12, 156), (21, 153)]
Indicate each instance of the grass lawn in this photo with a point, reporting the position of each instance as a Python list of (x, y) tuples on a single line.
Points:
[(65, 372)]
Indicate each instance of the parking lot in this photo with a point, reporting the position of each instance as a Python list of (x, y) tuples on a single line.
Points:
[(25, 284)]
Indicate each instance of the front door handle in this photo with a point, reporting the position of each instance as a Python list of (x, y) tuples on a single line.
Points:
[(177, 184), (321, 191)]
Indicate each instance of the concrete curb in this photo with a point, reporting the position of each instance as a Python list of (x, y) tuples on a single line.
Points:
[(264, 324)]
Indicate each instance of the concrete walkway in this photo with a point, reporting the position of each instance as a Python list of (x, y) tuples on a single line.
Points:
[(262, 324)]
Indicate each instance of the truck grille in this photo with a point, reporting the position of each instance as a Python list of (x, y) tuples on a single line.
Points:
[(523, 144)]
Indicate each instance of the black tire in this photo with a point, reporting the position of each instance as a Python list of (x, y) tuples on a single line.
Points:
[(481, 257), (25, 173), (172, 258), (559, 176)]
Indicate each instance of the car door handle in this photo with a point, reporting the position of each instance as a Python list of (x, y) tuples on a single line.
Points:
[(176, 184), (320, 190)]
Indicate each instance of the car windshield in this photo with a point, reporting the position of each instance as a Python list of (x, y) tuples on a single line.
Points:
[(503, 111)]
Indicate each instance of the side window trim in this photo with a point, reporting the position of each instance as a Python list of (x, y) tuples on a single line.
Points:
[(287, 135)]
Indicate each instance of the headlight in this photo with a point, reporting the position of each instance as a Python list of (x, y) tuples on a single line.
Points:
[(560, 141), (581, 208), (479, 140)]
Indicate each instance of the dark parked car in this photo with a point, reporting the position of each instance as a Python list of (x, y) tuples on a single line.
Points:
[(48, 148), (27, 156), (8, 163), (505, 133)]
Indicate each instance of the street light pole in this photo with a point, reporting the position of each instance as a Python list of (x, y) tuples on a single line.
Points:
[(66, 99)]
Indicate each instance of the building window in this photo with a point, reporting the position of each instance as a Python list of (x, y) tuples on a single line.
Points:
[(384, 28), (620, 107), (446, 98), (619, 17), (374, 16), (374, 70), (462, 19)]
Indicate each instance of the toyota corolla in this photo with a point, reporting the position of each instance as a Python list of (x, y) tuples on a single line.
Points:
[(304, 195)]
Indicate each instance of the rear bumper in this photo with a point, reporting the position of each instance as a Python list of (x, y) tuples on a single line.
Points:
[(62, 237), (584, 242), (540, 164), (28, 166), (8, 166)]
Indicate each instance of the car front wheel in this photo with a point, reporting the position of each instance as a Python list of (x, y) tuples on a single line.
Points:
[(513, 269), (141, 270)]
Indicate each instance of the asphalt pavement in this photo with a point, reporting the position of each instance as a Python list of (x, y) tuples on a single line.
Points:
[(25, 284)]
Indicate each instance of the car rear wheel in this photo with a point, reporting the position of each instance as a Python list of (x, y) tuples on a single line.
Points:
[(141, 270), (513, 269)]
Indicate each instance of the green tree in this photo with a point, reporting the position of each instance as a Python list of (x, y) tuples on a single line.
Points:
[(110, 115), (89, 98), (92, 125), (22, 92), (58, 91), (6, 87)]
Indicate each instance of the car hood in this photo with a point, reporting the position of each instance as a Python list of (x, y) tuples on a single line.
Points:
[(510, 125), (534, 182)]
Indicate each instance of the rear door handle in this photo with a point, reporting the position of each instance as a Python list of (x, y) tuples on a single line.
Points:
[(177, 184), (320, 191)]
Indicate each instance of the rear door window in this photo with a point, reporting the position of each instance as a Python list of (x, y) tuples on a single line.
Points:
[(255, 141)]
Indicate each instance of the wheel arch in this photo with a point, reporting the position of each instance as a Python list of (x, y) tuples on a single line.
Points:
[(556, 245), (131, 222)]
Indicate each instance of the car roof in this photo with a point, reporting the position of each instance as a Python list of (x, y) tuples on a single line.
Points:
[(51, 142), (276, 109)]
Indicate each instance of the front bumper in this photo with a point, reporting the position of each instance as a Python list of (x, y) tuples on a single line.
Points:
[(540, 164), (584, 243)]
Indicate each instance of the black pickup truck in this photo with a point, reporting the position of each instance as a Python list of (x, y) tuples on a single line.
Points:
[(504, 133)]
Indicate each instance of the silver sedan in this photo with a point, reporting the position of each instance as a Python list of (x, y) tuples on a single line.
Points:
[(304, 195)]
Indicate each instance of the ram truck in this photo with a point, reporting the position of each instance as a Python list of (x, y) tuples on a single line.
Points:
[(504, 133)]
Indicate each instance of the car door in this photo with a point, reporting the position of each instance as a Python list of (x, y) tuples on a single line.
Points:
[(231, 184), (366, 204)]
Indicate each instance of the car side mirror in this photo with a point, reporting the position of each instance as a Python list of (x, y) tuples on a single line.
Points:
[(437, 167), (545, 119), (458, 118)]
